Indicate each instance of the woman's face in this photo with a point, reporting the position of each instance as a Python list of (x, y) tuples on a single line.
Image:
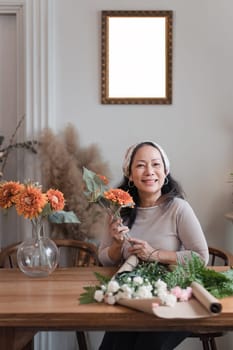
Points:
[(147, 170)]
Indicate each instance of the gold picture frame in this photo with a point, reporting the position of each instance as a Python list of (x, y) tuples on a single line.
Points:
[(136, 57)]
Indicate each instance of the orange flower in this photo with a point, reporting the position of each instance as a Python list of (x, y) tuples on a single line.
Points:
[(30, 202), (8, 191), (103, 178), (119, 197), (56, 199)]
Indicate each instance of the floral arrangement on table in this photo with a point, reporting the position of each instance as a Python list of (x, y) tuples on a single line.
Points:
[(111, 199), (32, 203), (39, 255), (153, 279)]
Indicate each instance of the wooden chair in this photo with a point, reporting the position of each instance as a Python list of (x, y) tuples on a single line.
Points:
[(8, 256), (76, 253), (218, 257), (72, 252)]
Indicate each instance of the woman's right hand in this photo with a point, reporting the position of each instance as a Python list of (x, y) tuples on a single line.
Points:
[(118, 231)]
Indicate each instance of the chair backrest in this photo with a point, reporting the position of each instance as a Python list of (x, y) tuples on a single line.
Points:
[(76, 253), (72, 253), (220, 257), (8, 256)]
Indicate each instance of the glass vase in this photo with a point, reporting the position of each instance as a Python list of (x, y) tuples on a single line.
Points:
[(37, 256)]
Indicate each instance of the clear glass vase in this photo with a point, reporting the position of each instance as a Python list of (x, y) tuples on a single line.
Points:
[(37, 256)]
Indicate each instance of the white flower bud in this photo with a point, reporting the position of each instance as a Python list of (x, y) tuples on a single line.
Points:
[(110, 299), (138, 280), (99, 295), (113, 287), (127, 289), (160, 284), (170, 300), (143, 292)]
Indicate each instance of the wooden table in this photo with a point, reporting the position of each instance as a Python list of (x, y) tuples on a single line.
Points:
[(29, 305)]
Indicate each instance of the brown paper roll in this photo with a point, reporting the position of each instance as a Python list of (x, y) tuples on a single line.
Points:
[(206, 299), (203, 304)]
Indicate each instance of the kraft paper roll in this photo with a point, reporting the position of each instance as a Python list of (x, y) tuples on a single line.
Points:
[(206, 299)]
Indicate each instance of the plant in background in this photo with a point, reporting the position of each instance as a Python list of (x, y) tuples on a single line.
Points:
[(62, 158), (5, 151)]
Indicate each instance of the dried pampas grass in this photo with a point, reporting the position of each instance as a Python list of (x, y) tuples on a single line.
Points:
[(62, 159)]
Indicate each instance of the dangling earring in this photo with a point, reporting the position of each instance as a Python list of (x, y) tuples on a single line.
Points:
[(166, 181), (130, 184)]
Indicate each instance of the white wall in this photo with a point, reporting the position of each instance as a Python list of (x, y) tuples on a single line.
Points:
[(196, 130)]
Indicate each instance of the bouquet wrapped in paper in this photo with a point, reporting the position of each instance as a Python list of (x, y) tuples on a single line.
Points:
[(188, 291)]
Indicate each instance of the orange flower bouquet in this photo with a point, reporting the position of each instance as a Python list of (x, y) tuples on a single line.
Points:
[(39, 255), (112, 200), (30, 202)]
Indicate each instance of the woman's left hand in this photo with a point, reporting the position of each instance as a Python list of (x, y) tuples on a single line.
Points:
[(140, 248)]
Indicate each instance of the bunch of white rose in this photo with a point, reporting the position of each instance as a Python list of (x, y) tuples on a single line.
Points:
[(139, 288)]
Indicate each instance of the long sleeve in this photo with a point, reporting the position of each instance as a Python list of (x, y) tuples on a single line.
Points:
[(191, 235), (173, 226)]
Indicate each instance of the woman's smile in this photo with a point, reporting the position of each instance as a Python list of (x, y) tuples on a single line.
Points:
[(149, 182)]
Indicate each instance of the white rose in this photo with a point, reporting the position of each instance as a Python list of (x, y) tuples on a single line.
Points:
[(160, 285), (110, 299), (143, 292), (169, 299), (99, 295), (138, 280), (113, 287), (125, 294), (127, 289)]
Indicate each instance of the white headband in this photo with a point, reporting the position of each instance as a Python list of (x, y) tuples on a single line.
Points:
[(129, 153)]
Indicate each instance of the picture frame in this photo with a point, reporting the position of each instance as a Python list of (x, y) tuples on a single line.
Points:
[(136, 57)]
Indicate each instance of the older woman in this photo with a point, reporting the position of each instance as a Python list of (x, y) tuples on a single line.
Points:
[(162, 227)]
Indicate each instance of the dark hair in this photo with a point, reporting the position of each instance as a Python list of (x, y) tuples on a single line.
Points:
[(170, 190)]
